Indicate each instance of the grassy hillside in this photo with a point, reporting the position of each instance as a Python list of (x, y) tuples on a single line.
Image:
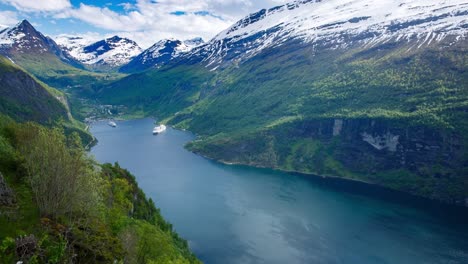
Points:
[(59, 206), (23, 98), (51, 70), (297, 109), (172, 88), (426, 86), (287, 121)]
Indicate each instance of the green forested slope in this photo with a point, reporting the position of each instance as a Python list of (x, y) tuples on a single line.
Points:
[(399, 111), (67, 208), (163, 92), (23, 98), (51, 70), (57, 205)]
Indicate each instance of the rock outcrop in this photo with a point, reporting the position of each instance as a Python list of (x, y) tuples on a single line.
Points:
[(416, 159)]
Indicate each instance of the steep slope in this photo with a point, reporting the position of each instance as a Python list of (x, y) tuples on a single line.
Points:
[(385, 117), (334, 24), (25, 39), (160, 53), (92, 214), (23, 98), (43, 58), (106, 54), (320, 87)]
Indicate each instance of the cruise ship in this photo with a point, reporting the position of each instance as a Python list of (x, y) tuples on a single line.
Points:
[(112, 124), (159, 129)]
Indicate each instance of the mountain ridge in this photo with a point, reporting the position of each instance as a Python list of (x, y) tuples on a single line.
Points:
[(160, 53), (111, 52), (308, 106), (25, 39), (336, 24)]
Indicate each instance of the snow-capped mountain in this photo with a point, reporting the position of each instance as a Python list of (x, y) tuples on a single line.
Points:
[(336, 24), (73, 44), (25, 39), (111, 52), (160, 53)]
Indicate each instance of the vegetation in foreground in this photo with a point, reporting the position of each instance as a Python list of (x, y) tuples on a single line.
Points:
[(60, 206)]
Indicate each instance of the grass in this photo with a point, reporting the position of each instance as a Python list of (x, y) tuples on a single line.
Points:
[(23, 218), (56, 73)]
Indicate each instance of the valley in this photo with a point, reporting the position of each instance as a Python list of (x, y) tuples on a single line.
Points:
[(304, 218), (384, 81), (371, 95)]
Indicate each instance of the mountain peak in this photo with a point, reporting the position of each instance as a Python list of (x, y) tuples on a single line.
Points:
[(25, 23), (115, 39), (25, 27), (24, 38), (338, 24), (161, 53), (103, 54)]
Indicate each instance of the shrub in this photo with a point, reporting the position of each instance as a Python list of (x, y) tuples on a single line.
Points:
[(61, 176)]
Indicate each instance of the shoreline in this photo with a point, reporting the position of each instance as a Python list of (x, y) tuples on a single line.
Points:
[(337, 179), (89, 124), (316, 176), (209, 184)]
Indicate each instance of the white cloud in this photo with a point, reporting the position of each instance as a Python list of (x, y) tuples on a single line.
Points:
[(107, 19), (86, 38), (39, 5), (147, 21), (127, 6), (8, 18)]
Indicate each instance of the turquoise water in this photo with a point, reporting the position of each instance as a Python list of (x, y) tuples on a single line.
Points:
[(235, 214)]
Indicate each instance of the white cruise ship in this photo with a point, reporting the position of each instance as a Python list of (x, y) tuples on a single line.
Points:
[(159, 129)]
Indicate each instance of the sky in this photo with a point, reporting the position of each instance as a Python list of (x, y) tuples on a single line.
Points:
[(144, 21)]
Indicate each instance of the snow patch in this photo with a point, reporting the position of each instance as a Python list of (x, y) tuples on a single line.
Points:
[(121, 50), (337, 22)]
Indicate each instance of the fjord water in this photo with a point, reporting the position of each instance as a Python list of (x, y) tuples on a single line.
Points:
[(235, 214)]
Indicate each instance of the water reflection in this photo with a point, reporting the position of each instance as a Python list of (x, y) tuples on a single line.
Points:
[(235, 214)]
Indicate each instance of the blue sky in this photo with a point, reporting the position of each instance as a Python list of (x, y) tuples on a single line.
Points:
[(145, 21)]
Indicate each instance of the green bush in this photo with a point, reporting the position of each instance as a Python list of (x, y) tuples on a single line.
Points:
[(89, 214)]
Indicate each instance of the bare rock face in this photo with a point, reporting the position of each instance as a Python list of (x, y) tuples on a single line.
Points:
[(386, 141), (7, 196), (337, 127)]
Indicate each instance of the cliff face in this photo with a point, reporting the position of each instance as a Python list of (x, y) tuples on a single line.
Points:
[(385, 144), (424, 161), (384, 104)]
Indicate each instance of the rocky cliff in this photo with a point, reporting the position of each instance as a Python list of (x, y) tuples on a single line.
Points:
[(416, 159)]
